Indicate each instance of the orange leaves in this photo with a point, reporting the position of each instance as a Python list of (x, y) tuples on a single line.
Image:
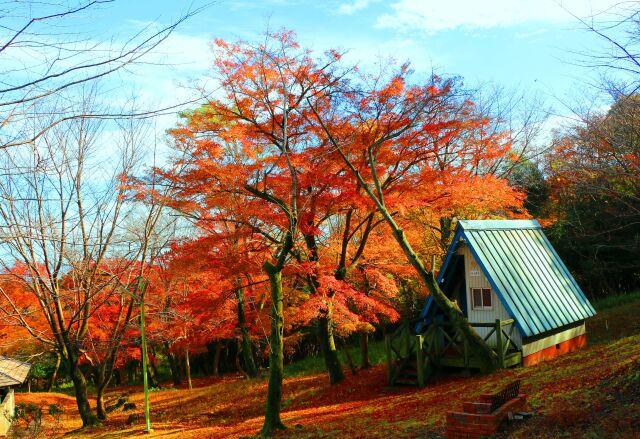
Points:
[(265, 159)]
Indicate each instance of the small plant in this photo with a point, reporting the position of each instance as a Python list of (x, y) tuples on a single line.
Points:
[(55, 411), (27, 420)]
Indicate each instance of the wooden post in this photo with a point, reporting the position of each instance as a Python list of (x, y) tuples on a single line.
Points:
[(420, 360), (436, 345), (406, 337), (499, 344), (387, 348), (465, 353)]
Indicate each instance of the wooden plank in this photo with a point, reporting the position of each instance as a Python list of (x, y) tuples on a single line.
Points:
[(499, 345), (486, 337), (513, 359), (473, 362), (420, 360), (482, 325)]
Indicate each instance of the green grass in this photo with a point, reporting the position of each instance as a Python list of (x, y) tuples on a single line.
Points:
[(614, 301), (315, 364)]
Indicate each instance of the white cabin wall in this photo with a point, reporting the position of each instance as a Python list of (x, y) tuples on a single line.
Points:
[(484, 315), (7, 412), (552, 340)]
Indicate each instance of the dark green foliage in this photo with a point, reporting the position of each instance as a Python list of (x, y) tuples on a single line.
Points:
[(315, 363), (615, 300), (27, 421), (594, 176), (527, 176)]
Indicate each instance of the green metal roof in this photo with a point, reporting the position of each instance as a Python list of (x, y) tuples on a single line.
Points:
[(498, 224), (526, 273)]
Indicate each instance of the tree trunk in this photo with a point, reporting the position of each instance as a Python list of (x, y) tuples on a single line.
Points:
[(187, 367), (54, 375), (450, 309), (101, 384), (153, 377), (272, 419), (154, 366), (153, 370), (131, 372), (350, 363), (100, 407), (445, 233), (103, 376), (238, 357), (328, 346), (216, 358), (80, 388), (364, 350), (173, 366), (325, 323), (118, 376), (247, 347)]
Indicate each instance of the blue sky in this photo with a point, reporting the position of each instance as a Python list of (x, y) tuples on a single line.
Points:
[(524, 43)]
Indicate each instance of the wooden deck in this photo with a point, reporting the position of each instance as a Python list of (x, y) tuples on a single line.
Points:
[(415, 359)]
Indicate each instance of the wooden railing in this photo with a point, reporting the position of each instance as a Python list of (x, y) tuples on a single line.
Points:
[(400, 350), (439, 340), (503, 340)]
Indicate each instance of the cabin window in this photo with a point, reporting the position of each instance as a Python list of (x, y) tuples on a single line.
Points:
[(481, 298)]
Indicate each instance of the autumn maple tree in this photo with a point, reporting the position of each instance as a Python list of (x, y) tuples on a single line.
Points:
[(393, 135), (309, 158), (248, 144)]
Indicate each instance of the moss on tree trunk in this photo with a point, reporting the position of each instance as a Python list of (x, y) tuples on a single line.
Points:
[(328, 347), (450, 309), (246, 346), (324, 323), (80, 388), (54, 375), (272, 419)]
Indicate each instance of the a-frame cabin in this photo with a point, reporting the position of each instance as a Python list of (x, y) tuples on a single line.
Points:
[(513, 289), (507, 269)]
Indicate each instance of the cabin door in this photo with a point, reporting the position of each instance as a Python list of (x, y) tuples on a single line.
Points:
[(458, 289)]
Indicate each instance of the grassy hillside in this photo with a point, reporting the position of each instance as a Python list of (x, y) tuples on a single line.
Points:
[(593, 393)]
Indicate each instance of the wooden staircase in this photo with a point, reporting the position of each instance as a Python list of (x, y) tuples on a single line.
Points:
[(407, 375)]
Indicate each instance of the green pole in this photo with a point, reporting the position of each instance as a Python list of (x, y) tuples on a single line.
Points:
[(143, 346)]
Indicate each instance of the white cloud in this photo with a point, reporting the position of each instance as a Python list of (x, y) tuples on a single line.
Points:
[(533, 33), (436, 15), (353, 7)]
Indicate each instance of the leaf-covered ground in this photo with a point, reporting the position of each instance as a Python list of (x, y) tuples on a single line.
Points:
[(593, 393)]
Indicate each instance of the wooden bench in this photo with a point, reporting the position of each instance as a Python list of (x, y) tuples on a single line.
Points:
[(483, 418)]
